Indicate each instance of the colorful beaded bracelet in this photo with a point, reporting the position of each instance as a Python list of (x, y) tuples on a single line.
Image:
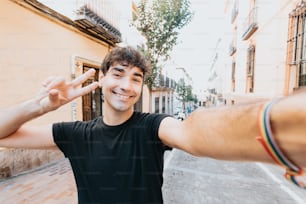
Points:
[(270, 145)]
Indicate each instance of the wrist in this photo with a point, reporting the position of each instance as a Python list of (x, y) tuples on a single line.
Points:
[(288, 122), (32, 109), (267, 139), (12, 118)]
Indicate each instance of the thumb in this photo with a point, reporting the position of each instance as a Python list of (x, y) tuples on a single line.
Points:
[(53, 95)]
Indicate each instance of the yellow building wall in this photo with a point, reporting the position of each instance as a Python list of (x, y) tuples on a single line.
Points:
[(33, 47)]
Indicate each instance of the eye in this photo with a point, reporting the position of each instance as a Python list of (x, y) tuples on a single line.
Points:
[(117, 74), (137, 80)]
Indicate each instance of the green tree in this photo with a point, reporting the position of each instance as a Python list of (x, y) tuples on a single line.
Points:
[(184, 93), (159, 22)]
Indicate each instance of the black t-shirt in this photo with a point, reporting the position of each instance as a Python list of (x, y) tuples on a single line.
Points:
[(115, 164)]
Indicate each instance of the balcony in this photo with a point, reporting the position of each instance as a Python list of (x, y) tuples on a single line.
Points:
[(250, 25), (235, 11), (164, 83), (98, 19), (232, 48)]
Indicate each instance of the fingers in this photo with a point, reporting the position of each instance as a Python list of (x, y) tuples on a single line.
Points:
[(47, 81), (61, 92), (43, 92), (81, 79), (87, 89), (53, 82)]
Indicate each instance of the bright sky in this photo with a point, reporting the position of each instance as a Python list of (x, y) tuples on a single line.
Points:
[(198, 40)]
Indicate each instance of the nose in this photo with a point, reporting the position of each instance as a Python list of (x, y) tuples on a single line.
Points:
[(126, 84)]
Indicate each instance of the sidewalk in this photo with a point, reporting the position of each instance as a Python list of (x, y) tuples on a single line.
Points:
[(50, 184)]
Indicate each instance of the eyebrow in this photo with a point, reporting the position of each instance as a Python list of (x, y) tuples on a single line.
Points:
[(118, 69), (122, 69)]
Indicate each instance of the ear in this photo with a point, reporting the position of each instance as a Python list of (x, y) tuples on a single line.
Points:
[(101, 77)]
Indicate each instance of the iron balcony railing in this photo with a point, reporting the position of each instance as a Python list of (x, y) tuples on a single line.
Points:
[(232, 48), (235, 11), (99, 18), (250, 25), (164, 82)]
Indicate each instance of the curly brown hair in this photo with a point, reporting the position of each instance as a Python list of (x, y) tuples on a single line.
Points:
[(124, 55)]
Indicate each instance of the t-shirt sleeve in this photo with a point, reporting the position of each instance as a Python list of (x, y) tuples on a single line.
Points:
[(156, 121), (63, 136)]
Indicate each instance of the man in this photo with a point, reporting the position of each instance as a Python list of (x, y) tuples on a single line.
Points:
[(118, 158)]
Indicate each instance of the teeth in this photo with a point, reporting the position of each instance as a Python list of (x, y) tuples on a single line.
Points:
[(122, 96)]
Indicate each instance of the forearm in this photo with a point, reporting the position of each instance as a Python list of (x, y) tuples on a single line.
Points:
[(227, 133), (230, 133), (13, 117)]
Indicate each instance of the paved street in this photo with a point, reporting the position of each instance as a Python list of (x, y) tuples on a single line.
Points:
[(201, 180), (188, 180)]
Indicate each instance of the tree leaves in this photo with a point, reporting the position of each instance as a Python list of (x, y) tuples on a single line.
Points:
[(159, 21)]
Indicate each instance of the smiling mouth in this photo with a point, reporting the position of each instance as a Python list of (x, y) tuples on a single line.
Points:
[(121, 96)]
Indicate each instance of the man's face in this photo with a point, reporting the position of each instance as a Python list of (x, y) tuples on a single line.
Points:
[(122, 86)]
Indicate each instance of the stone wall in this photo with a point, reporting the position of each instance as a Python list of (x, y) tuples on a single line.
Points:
[(16, 161)]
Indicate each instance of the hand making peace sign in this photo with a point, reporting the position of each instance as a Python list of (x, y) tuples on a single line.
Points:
[(56, 91)]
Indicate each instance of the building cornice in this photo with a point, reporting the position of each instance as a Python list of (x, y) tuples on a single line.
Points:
[(94, 31)]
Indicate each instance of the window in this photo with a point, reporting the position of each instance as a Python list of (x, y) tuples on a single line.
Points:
[(92, 102), (157, 105), (233, 75), (250, 69), (293, 34), (302, 64), (297, 44), (164, 104), (169, 104), (302, 74), (138, 104)]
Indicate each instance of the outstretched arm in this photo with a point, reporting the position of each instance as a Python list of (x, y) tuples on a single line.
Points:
[(229, 132), (54, 93)]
